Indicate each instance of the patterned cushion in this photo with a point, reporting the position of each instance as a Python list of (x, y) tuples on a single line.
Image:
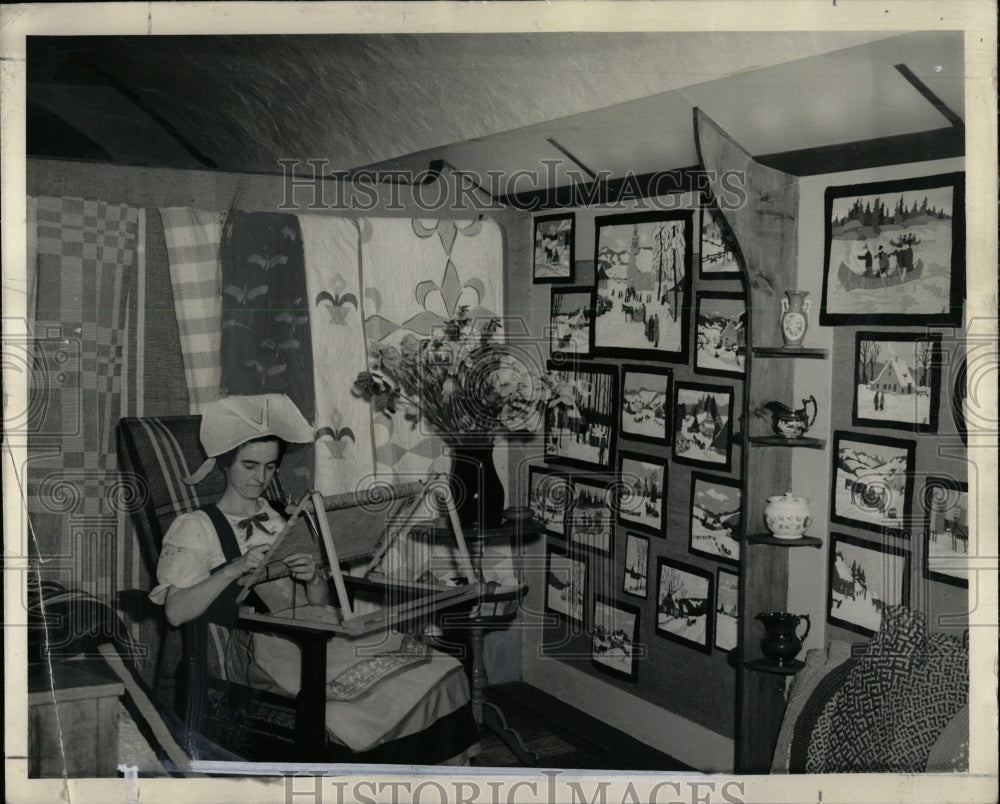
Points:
[(895, 702)]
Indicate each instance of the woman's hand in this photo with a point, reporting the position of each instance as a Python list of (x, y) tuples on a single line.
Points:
[(250, 560), (302, 567)]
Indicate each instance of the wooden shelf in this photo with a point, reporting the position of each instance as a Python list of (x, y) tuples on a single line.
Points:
[(765, 666), (767, 538), (781, 441), (790, 351)]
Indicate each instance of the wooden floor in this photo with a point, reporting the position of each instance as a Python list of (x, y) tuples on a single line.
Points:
[(565, 737)]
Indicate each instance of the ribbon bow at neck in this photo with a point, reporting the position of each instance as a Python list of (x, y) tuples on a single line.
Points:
[(252, 522)]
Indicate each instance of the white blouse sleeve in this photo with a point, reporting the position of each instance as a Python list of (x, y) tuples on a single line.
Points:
[(190, 552)]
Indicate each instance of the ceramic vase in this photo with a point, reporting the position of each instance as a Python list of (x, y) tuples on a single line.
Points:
[(475, 485), (794, 317), (787, 515)]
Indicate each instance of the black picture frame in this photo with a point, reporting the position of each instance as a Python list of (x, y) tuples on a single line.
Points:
[(945, 503), (570, 322), (684, 595), (692, 442), (566, 582), (727, 609), (857, 573), (646, 404), (958, 398), (590, 521), (894, 363), (635, 575), (550, 495), (554, 254), (718, 258), (715, 531), (863, 496), (639, 313), (928, 242), (720, 333), (642, 487), (614, 630), (586, 436)]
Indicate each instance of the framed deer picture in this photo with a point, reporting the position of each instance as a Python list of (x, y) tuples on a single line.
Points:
[(946, 531)]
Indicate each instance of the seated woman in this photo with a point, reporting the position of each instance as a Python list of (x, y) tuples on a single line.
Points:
[(379, 709)]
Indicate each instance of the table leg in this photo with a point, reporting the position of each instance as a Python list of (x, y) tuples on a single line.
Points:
[(478, 673), (310, 717), (489, 715)]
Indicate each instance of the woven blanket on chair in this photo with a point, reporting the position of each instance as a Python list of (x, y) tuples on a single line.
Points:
[(895, 702)]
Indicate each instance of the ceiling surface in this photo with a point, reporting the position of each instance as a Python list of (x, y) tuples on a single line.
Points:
[(566, 106)]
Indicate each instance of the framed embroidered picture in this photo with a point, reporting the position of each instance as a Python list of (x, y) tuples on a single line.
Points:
[(590, 522), (684, 604), (647, 395), (703, 425), (565, 584), (554, 248), (642, 285), (569, 322), (727, 616), (718, 258), (721, 330), (614, 638), (642, 485), (583, 435), (945, 503), (897, 380), (895, 252), (864, 578), (872, 481), (716, 514), (636, 565), (549, 496)]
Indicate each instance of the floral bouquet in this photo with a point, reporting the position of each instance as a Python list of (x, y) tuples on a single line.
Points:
[(463, 382)]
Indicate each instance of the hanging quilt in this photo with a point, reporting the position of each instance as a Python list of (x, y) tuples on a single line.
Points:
[(266, 345)]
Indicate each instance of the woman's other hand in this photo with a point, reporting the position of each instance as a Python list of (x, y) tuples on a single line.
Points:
[(302, 567)]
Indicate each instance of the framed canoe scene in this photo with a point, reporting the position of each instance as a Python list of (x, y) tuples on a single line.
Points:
[(895, 252)]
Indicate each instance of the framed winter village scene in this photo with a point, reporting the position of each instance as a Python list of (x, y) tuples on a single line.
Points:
[(614, 634), (554, 248), (716, 512), (946, 531), (646, 399), (872, 481), (864, 579), (549, 497), (897, 380), (717, 258), (642, 483), (565, 584), (641, 287), (684, 603), (569, 321), (727, 595), (895, 252), (590, 522), (635, 581), (703, 429), (583, 435), (720, 340)]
